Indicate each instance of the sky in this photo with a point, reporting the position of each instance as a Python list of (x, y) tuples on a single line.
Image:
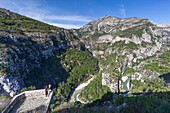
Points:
[(76, 13)]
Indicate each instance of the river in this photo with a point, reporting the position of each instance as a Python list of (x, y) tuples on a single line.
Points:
[(77, 91)]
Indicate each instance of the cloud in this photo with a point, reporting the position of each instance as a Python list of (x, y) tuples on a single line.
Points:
[(122, 10), (66, 26), (29, 8), (33, 9), (68, 18)]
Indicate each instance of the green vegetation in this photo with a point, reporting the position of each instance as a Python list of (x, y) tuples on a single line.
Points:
[(107, 60), (97, 34), (94, 91), (2, 69), (129, 71), (152, 66), (165, 57), (118, 100), (153, 103), (138, 86), (27, 89), (150, 85), (128, 32), (95, 109), (79, 65), (136, 30), (51, 71), (72, 60), (145, 44), (121, 45), (155, 98), (131, 46), (100, 47), (16, 24), (160, 64), (148, 103)]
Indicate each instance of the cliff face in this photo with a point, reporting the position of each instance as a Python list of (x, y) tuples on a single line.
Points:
[(24, 45)]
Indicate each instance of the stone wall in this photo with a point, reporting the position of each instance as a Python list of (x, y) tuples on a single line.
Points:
[(13, 102), (49, 102), (28, 94)]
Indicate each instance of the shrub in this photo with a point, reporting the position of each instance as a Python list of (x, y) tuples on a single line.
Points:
[(119, 100), (27, 89)]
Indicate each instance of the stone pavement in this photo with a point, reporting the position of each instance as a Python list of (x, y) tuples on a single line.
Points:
[(30, 103), (33, 101)]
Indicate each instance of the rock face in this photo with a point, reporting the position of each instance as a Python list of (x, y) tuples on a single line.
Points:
[(24, 46), (164, 26), (112, 40), (24, 55)]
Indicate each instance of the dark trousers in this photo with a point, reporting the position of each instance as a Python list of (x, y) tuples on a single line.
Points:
[(46, 93)]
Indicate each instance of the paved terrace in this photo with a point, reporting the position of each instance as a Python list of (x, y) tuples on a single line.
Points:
[(29, 102)]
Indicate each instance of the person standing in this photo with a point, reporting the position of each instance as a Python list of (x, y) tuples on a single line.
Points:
[(46, 91), (49, 89)]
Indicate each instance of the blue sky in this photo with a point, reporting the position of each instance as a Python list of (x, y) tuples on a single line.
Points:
[(76, 13)]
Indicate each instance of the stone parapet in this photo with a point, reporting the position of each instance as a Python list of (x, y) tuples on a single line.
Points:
[(27, 95)]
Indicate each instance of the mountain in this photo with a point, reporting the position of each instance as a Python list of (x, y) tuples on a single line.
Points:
[(120, 54), (134, 47), (28, 52)]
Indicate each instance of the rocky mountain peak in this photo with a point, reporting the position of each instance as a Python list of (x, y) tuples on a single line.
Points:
[(109, 24), (105, 35), (106, 18)]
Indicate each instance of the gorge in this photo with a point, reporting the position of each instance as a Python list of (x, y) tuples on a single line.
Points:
[(133, 51)]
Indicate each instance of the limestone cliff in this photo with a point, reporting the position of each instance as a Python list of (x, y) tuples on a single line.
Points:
[(26, 43)]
